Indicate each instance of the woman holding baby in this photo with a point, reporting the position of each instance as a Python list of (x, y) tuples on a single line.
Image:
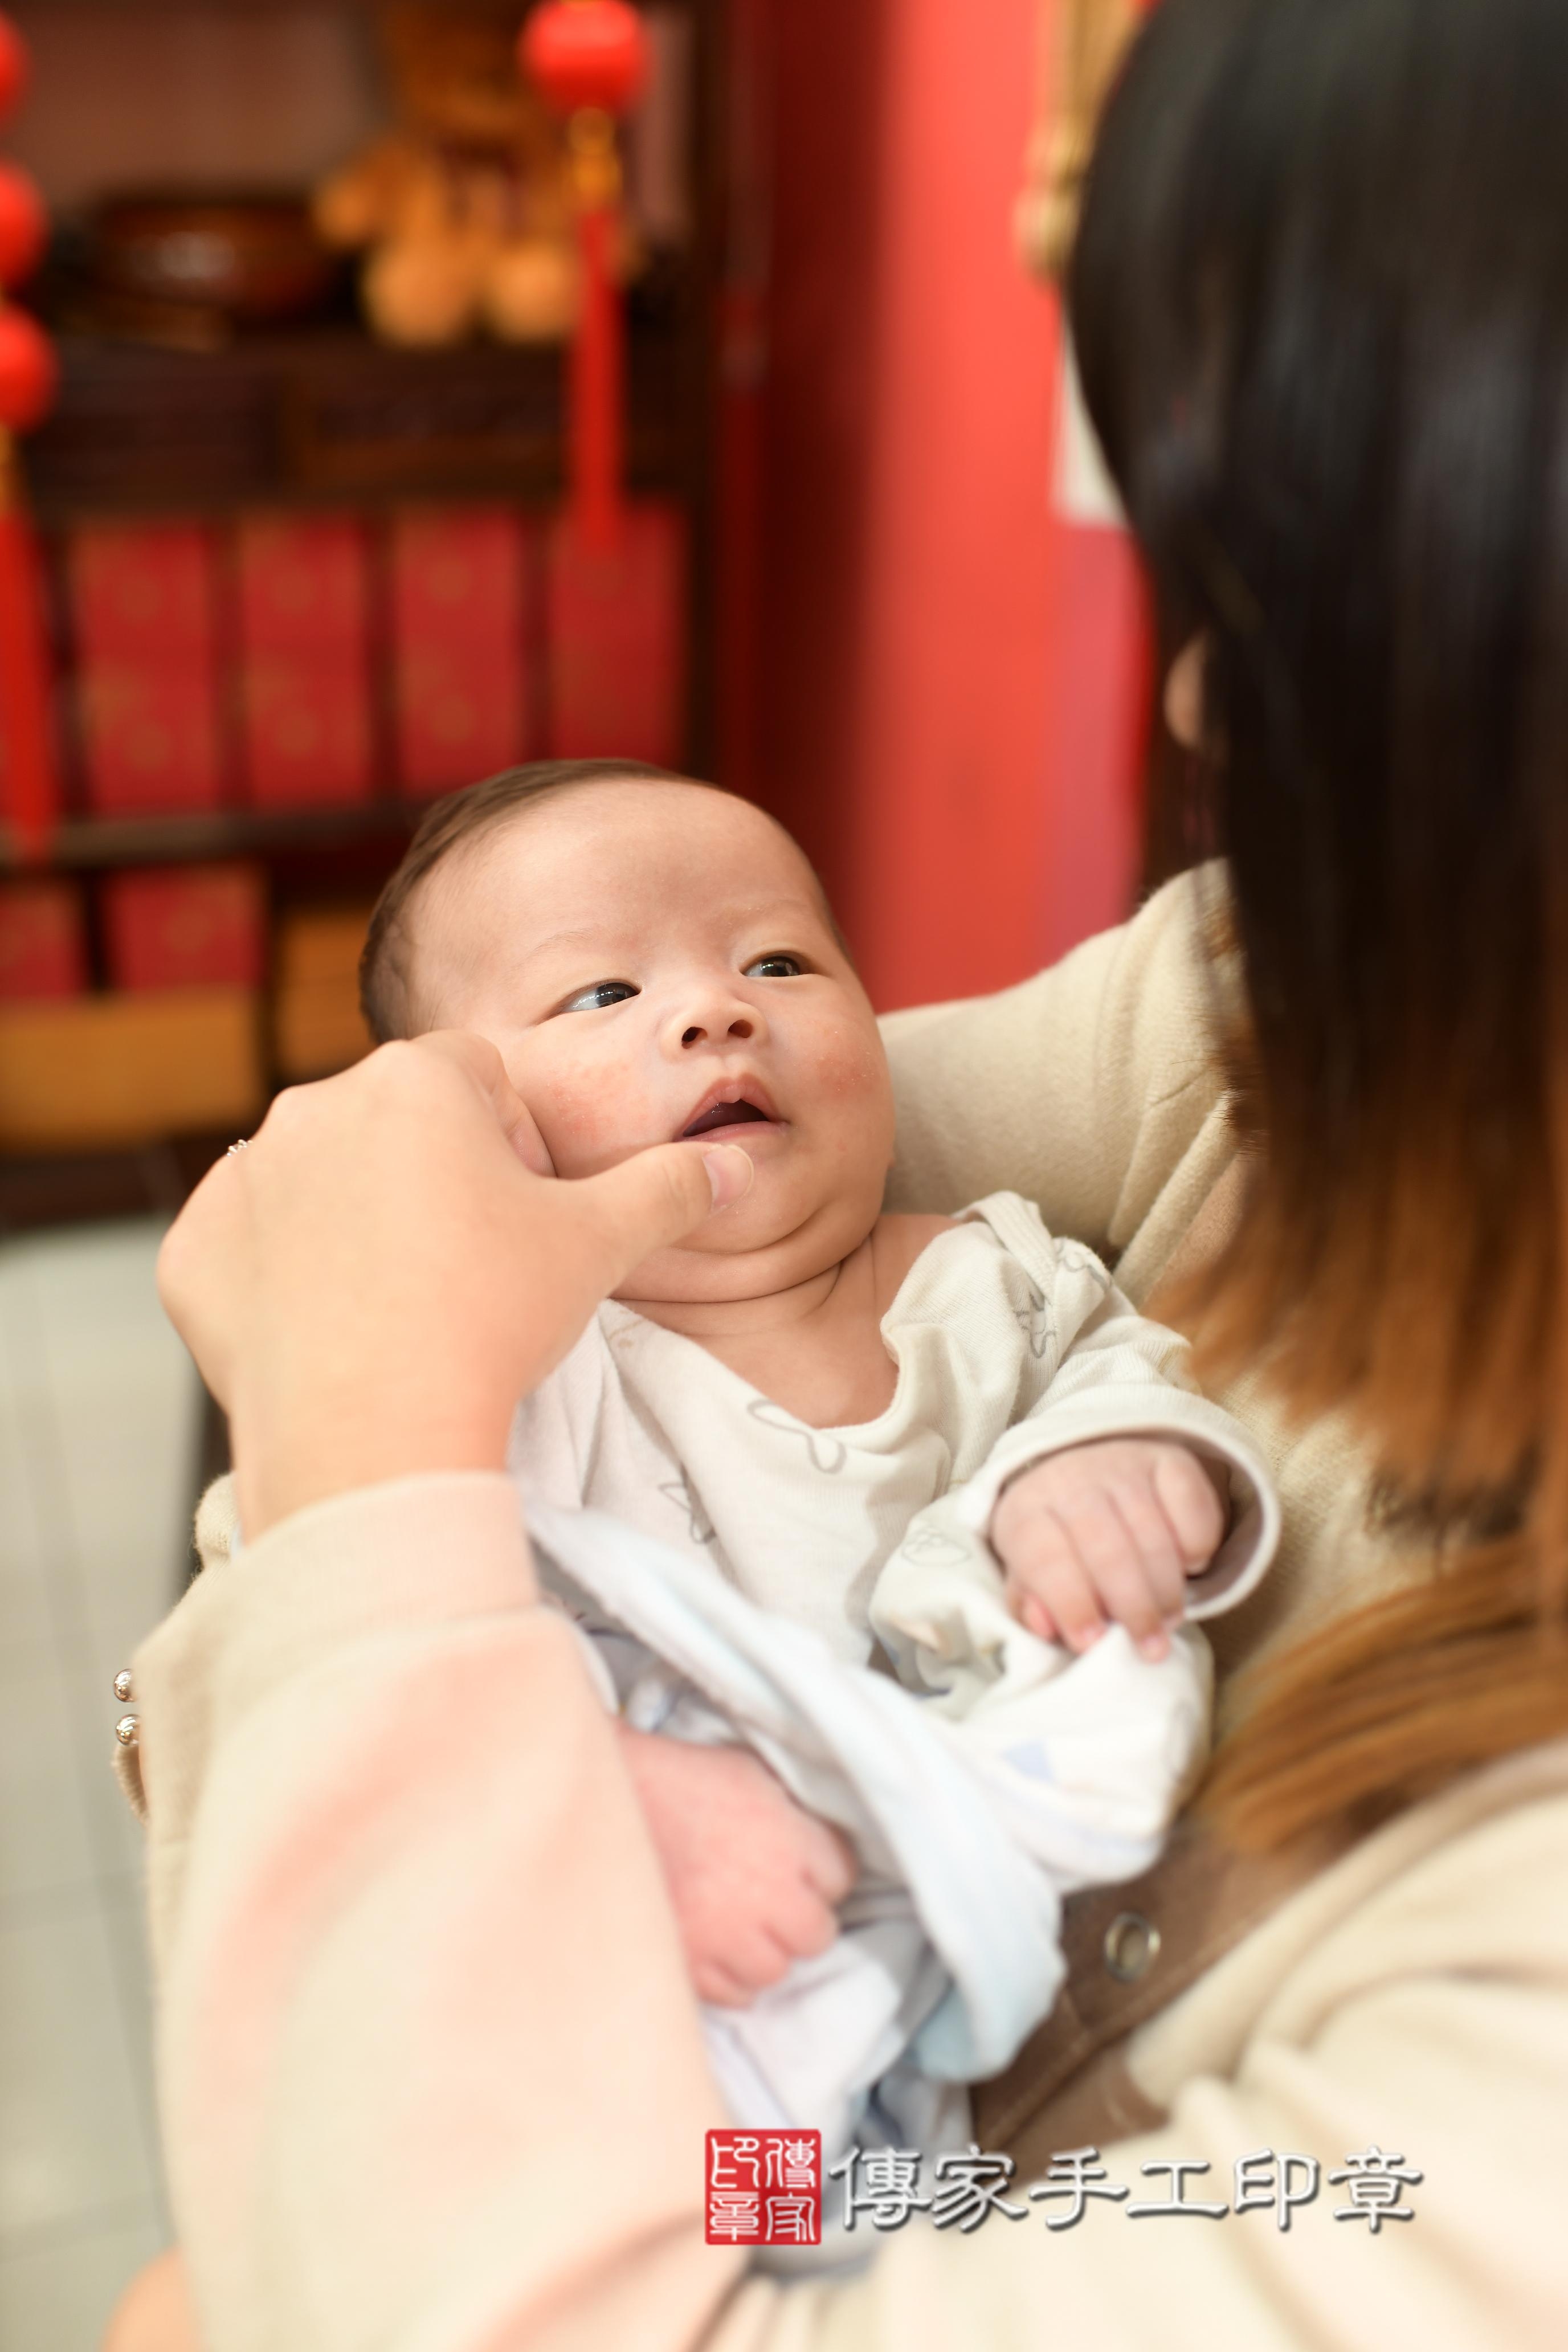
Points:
[(431, 2066)]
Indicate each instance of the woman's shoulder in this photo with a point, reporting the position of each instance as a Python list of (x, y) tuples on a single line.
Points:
[(1161, 977), (1084, 1088)]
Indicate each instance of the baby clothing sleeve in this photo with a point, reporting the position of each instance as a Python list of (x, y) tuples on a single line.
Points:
[(1090, 1368)]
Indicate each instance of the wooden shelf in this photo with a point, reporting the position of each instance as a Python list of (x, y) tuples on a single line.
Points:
[(324, 416), (84, 843), (329, 415)]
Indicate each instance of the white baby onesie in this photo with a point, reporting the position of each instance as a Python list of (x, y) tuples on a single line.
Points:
[(679, 1515), (1010, 1345)]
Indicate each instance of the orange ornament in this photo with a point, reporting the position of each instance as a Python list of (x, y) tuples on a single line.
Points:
[(29, 371), (585, 53)]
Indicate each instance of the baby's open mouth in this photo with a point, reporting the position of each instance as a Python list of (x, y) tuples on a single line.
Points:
[(737, 1113)]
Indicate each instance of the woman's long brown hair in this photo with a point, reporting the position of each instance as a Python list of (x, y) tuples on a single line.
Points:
[(1321, 299)]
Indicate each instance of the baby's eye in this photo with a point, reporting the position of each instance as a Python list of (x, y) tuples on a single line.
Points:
[(594, 999), (774, 967)]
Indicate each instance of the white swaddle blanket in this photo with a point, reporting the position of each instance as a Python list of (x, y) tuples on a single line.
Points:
[(734, 1571), (969, 1831)]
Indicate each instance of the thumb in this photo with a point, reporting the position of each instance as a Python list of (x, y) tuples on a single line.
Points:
[(658, 1197)]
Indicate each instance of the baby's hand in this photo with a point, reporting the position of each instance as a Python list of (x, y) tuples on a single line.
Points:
[(1107, 1532), (754, 1879)]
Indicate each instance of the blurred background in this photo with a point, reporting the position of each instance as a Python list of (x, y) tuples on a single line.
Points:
[(378, 415)]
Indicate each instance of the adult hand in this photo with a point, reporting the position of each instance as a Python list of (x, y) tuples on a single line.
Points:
[(370, 1287)]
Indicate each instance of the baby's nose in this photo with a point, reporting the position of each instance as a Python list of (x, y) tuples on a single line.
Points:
[(742, 1027)]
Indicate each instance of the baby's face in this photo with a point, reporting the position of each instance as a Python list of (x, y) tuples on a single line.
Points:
[(654, 962)]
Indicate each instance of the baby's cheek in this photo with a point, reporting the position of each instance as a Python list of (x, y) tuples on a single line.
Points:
[(588, 1123), (854, 1085), (850, 1067), (577, 1131)]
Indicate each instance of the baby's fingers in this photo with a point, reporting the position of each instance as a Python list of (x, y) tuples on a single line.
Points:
[(1047, 1575), (1159, 1554), (802, 1923), (1031, 1611), (1187, 1496), (828, 1863), (1122, 1584), (713, 1981), (736, 1963)]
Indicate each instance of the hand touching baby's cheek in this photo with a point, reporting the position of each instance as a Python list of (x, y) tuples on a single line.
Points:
[(527, 1140), (592, 1111)]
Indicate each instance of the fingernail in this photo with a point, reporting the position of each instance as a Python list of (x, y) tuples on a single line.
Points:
[(730, 1172), (1154, 1646)]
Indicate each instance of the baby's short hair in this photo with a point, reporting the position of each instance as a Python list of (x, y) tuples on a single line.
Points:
[(386, 964)]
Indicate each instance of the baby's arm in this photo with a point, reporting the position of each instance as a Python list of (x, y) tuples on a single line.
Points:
[(1110, 1496), (1108, 1533), (1111, 1443)]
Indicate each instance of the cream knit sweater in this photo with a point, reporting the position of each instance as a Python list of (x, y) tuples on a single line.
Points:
[(430, 2071), (1092, 1089)]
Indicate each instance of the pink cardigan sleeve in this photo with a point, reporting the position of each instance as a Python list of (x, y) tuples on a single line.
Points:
[(430, 2070)]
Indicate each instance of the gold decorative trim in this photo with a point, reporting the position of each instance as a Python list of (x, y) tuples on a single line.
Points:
[(1081, 45)]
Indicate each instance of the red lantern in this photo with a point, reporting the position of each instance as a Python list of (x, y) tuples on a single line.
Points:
[(585, 53), (30, 796), (14, 66), (615, 587), (29, 371), (24, 225)]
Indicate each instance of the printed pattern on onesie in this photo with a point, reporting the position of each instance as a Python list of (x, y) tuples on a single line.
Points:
[(996, 1313)]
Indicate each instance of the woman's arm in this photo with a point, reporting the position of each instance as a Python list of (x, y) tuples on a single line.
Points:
[(430, 2054), (431, 2074), (1091, 1089)]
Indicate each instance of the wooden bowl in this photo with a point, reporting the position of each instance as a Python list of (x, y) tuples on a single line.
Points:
[(255, 259)]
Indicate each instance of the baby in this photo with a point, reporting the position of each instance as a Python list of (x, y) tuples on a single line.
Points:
[(883, 1427)]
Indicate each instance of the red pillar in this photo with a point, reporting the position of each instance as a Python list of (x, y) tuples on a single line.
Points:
[(942, 713)]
